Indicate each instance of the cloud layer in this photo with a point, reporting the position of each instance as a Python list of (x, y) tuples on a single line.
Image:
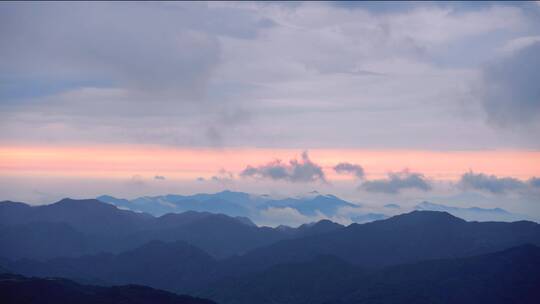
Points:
[(268, 74)]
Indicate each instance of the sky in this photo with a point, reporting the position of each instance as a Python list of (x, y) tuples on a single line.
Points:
[(374, 102)]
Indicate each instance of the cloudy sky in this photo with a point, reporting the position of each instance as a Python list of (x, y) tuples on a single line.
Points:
[(375, 102)]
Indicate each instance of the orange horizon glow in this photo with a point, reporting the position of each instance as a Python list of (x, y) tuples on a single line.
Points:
[(190, 163)]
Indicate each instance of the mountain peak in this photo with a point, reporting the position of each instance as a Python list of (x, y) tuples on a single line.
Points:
[(82, 204), (319, 227), (426, 217), (326, 225), (13, 204), (430, 213), (68, 200), (226, 191), (106, 197)]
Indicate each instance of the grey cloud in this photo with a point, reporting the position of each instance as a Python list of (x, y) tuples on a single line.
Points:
[(107, 44), (191, 71), (534, 182), (162, 63), (221, 125), (303, 170), (511, 94), (214, 136), (159, 177), (396, 182), (348, 168), (83, 64), (223, 176), (490, 183), (136, 181)]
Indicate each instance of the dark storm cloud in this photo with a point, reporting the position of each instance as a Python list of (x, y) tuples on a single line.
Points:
[(511, 87), (303, 170), (396, 182), (348, 168)]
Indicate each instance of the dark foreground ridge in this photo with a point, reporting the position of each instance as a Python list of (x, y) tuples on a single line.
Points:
[(509, 276), (15, 289)]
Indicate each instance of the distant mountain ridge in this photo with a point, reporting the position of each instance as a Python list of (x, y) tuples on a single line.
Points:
[(473, 213), (239, 204), (313, 205)]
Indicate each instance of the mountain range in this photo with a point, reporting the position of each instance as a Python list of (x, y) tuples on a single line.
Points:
[(420, 256), (79, 227), (242, 204), (312, 206), (473, 213)]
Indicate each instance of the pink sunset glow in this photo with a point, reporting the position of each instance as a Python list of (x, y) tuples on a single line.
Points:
[(190, 163)]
